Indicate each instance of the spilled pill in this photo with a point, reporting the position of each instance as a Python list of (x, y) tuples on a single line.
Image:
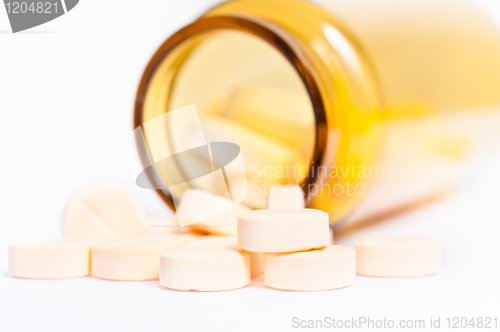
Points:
[(168, 227), (209, 213), (103, 212), (283, 230), (129, 259), (330, 267), (256, 258), (49, 258), (398, 256), (204, 268)]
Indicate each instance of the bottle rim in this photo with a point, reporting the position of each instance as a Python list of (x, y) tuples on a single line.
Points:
[(281, 41)]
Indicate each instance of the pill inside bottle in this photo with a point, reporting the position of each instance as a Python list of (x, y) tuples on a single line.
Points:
[(251, 96), (248, 97)]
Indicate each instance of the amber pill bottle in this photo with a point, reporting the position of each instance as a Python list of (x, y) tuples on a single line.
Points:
[(402, 96)]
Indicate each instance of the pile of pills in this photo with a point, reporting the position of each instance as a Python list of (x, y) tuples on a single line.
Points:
[(107, 238)]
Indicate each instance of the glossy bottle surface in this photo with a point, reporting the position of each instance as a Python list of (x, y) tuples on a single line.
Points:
[(392, 109)]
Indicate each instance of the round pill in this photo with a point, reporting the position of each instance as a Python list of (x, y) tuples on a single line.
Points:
[(327, 268), (204, 268), (49, 258), (256, 258), (135, 259), (283, 230), (398, 256), (102, 213), (210, 213), (285, 197)]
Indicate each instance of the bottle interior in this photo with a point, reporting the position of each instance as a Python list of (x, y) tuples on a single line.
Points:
[(247, 93)]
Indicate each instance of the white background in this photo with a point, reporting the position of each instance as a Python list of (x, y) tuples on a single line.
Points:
[(66, 97)]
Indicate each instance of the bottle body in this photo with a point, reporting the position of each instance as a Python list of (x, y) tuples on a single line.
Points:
[(331, 103)]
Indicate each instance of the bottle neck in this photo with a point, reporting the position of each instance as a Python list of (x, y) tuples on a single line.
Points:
[(331, 66)]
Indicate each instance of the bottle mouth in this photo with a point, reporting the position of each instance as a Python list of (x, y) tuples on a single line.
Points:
[(152, 97)]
